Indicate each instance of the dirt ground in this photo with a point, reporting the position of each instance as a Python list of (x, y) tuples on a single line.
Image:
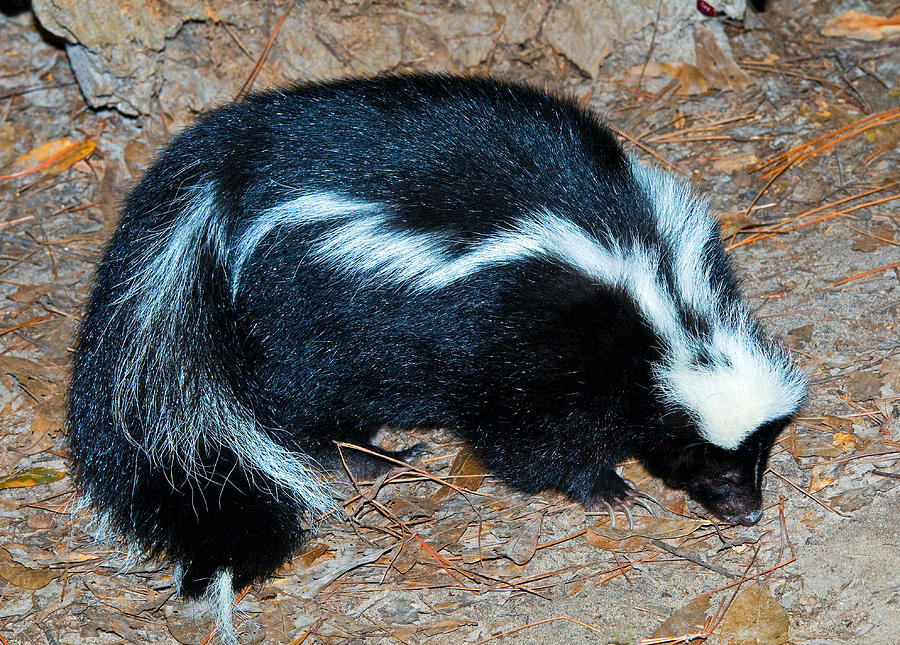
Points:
[(818, 252)]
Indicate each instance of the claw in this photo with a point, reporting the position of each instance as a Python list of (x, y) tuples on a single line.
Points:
[(651, 498), (612, 514), (627, 512), (642, 503)]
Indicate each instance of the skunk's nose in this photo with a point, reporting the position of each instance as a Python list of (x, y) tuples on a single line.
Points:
[(751, 518)]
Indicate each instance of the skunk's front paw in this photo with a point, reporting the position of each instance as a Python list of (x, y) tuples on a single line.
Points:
[(621, 495)]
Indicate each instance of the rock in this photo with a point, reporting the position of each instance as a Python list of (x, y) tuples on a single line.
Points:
[(188, 56), (584, 31)]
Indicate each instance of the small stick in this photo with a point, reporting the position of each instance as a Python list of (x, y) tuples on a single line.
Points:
[(245, 88), (535, 624), (692, 558), (864, 274), (646, 149), (811, 496), (26, 323), (755, 575)]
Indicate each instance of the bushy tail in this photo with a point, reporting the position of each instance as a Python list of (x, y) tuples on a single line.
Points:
[(164, 436)]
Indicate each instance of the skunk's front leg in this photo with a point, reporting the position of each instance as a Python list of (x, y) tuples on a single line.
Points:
[(603, 489)]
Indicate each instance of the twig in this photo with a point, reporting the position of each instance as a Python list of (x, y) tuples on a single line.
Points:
[(810, 495), (693, 558), (646, 149), (864, 274), (755, 575), (539, 622), (245, 88), (26, 323)]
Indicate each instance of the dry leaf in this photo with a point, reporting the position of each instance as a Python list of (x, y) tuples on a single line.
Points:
[(189, 623), (861, 26), (310, 553), (110, 623), (410, 555), (465, 471), (755, 617), (447, 537), (813, 445), (603, 536), (818, 480), (867, 244), (853, 499), (40, 154), (837, 423), (845, 441), (413, 553), (800, 335), (717, 65), (688, 620), (733, 222), (81, 151), (31, 292), (521, 548), (862, 386), (626, 545), (30, 477), (51, 158), (23, 577), (890, 372), (444, 626), (411, 507), (690, 79), (137, 155), (39, 380), (651, 528), (732, 163), (45, 423)]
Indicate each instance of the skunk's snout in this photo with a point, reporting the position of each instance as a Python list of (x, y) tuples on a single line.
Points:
[(750, 518)]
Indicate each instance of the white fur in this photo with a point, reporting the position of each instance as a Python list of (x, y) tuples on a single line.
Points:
[(748, 383), (221, 598), (744, 388), (197, 413)]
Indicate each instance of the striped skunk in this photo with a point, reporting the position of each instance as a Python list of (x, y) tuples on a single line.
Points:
[(310, 265)]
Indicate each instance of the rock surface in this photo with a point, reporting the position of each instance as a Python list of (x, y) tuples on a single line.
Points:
[(187, 56)]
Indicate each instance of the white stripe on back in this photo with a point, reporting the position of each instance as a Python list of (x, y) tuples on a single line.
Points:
[(746, 383)]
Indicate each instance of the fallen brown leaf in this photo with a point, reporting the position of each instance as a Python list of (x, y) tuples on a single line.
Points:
[(465, 471), (521, 548), (688, 620), (30, 477), (862, 26), (717, 65), (22, 576), (754, 617), (732, 222)]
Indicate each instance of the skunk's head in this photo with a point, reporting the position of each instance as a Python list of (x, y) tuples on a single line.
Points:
[(727, 482), (721, 391)]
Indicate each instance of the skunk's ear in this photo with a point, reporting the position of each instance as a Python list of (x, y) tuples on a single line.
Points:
[(759, 5)]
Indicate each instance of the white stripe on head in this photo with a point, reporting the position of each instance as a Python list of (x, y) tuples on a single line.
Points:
[(745, 386), (745, 383)]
